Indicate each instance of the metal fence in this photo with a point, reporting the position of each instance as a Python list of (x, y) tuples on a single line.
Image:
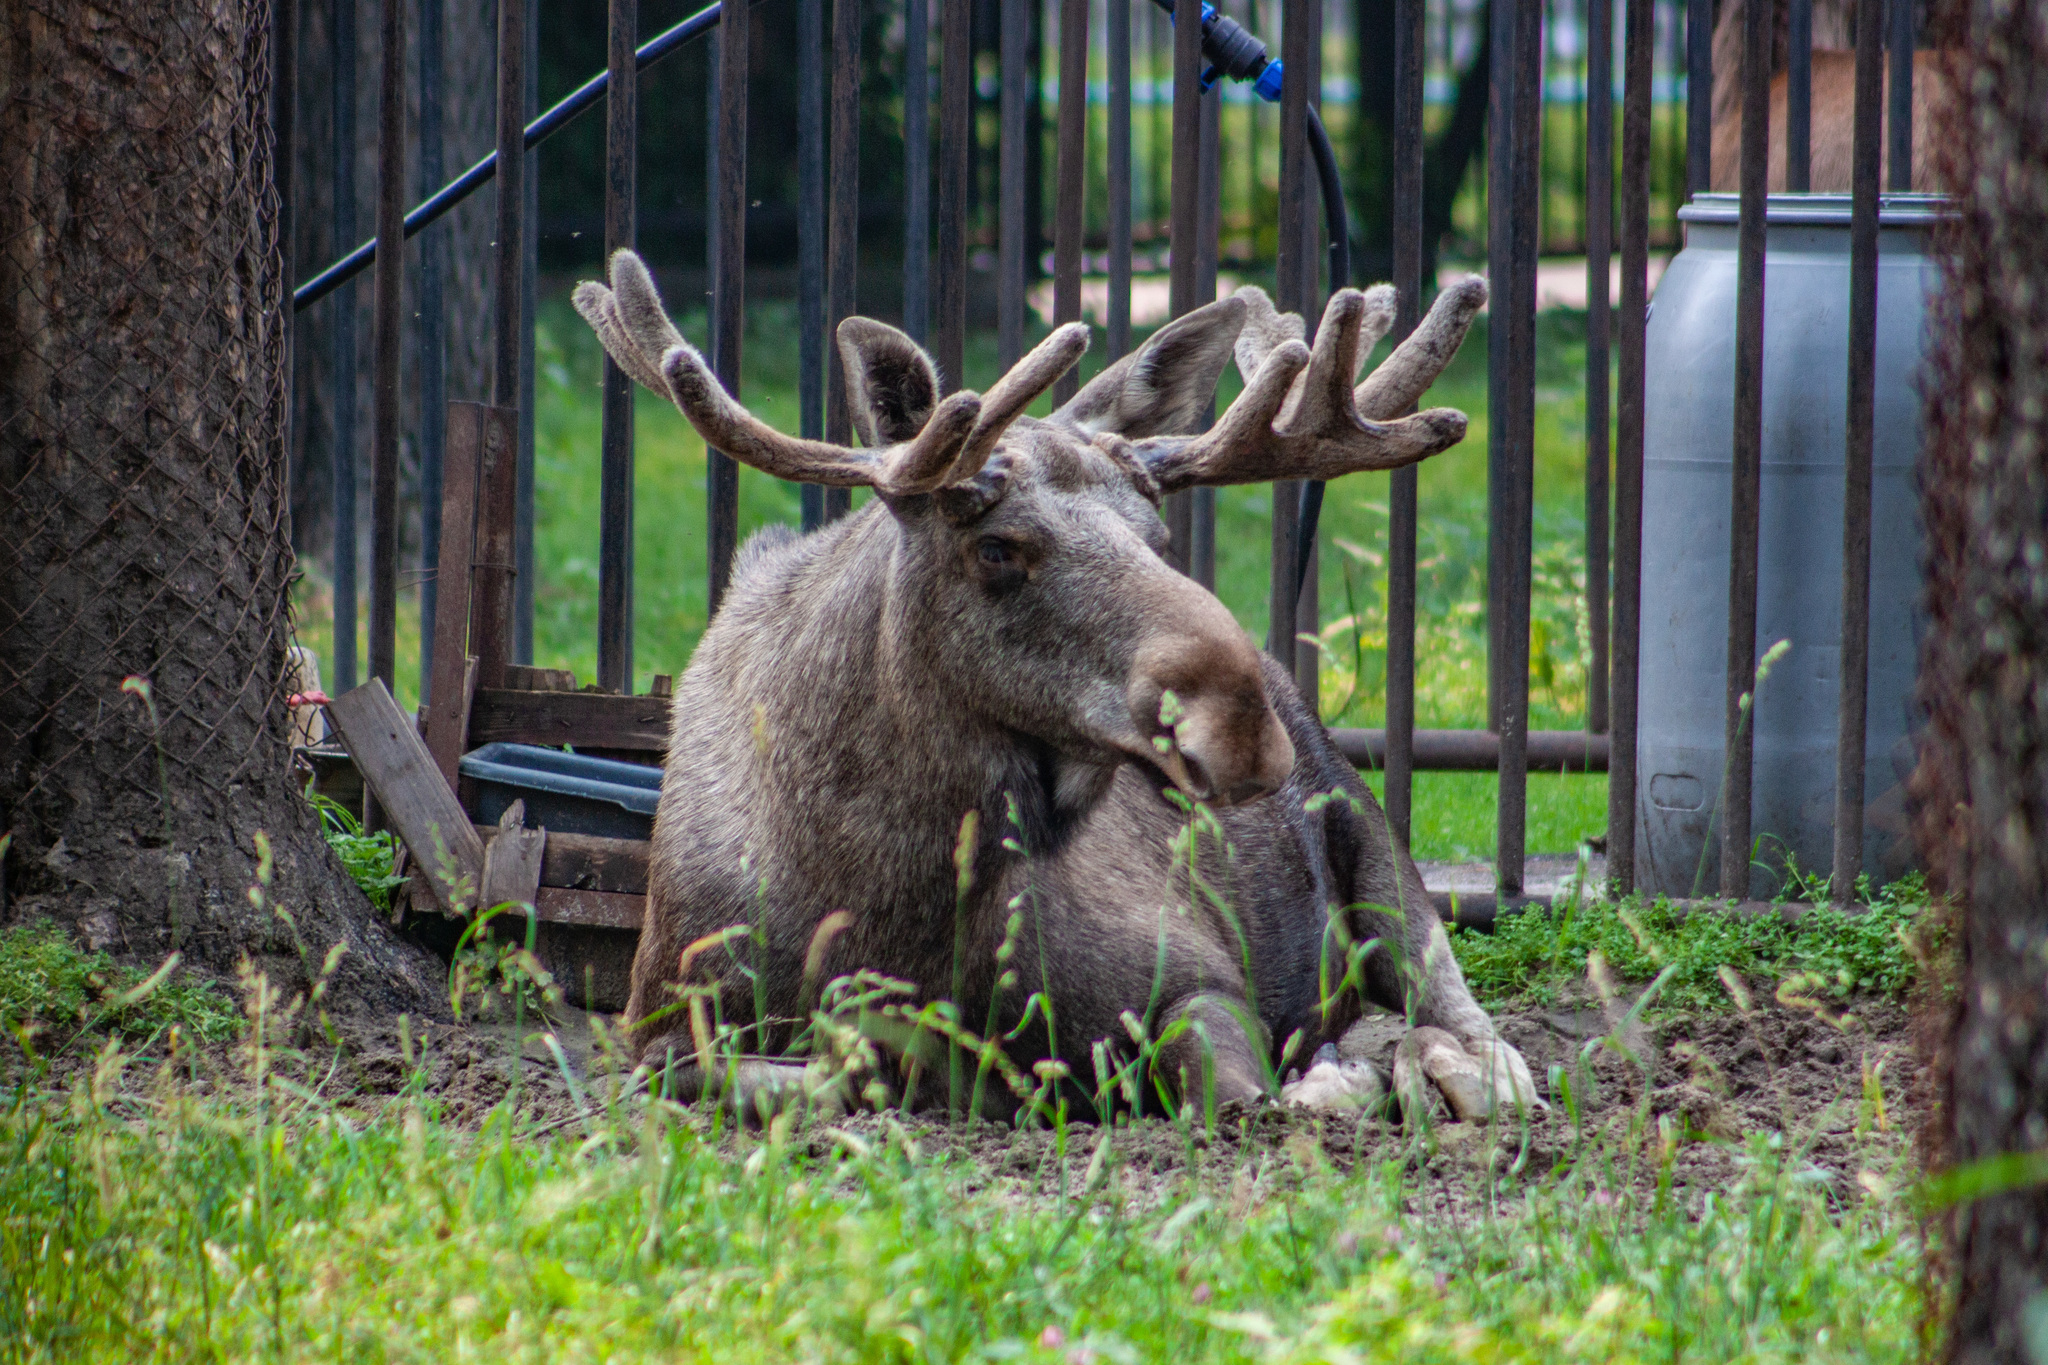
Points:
[(935, 279)]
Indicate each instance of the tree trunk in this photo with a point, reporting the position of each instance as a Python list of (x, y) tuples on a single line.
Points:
[(1982, 787), (144, 526)]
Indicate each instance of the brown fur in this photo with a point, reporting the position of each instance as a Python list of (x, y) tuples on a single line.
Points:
[(1005, 645)]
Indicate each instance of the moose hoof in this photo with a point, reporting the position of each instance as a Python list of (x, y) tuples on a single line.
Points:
[(1476, 1081), (1333, 1086)]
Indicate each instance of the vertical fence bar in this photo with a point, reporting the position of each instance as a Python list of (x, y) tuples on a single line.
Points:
[(917, 170), (529, 313), (1500, 182), (1070, 177), (1699, 96), (433, 339), (1184, 252), (1799, 98), (511, 180), (842, 264), (342, 61), (1851, 734), (1010, 169), (711, 67), (615, 458), (1293, 271), (1637, 39), (1516, 314), (728, 292), (1410, 45), (1899, 115), (956, 132), (1304, 563), (1599, 321), (1118, 21), (1746, 476), (1208, 223), (386, 337), (810, 239)]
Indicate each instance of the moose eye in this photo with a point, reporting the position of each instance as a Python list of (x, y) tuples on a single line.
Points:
[(1000, 562)]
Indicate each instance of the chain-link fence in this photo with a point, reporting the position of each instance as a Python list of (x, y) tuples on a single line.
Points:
[(143, 506)]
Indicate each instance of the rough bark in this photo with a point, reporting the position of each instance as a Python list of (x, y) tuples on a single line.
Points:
[(1982, 785), (144, 504)]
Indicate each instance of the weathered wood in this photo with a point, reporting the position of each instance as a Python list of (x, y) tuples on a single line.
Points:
[(595, 720), (512, 860), (589, 862), (526, 678), (595, 909), (401, 775), (492, 567), (462, 447)]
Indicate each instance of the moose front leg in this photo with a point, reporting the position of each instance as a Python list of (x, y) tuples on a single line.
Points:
[(1207, 1052)]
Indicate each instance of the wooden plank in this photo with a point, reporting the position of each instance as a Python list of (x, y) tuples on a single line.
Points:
[(512, 860), (493, 566), (401, 774), (589, 862), (595, 909), (595, 720), (447, 694), (526, 678)]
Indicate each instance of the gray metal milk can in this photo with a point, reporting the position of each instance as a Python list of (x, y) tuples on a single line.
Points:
[(1689, 423)]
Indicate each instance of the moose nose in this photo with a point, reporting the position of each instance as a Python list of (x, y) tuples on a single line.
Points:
[(1201, 700)]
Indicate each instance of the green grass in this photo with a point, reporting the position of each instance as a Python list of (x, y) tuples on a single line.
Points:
[(50, 988), (1824, 955)]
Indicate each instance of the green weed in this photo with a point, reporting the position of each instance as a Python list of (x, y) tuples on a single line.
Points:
[(1534, 957), (367, 858), (48, 985)]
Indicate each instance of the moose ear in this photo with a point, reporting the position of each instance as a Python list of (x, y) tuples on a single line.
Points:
[(891, 385), (1161, 388)]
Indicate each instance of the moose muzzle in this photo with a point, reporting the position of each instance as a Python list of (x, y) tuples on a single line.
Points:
[(1199, 697)]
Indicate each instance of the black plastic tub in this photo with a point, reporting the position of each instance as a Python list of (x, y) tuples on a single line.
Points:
[(570, 793)]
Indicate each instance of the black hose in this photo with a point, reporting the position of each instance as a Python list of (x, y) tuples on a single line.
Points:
[(1337, 221)]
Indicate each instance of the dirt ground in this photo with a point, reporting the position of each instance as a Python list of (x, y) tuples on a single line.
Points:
[(1709, 1079)]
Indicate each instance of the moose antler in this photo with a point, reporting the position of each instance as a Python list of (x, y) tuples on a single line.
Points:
[(949, 446), (1300, 417)]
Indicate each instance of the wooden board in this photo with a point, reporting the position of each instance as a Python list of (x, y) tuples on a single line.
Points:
[(512, 859), (592, 909), (449, 694), (492, 569), (401, 774), (588, 720), (589, 862)]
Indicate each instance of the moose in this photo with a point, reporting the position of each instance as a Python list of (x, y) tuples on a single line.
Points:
[(981, 718)]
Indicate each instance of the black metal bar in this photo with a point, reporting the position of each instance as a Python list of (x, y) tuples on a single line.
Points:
[(1410, 47), (1293, 282), (386, 338), (1516, 314), (1637, 40), (511, 185), (917, 170), (1899, 116), (956, 132), (728, 296), (1500, 180), (711, 222), (1337, 228), (810, 239), (1306, 661), (842, 248), (1184, 226), (433, 339), (1010, 169), (1699, 96), (1201, 502), (1070, 177), (1599, 322), (1851, 734), (342, 61), (1746, 476), (1118, 21), (524, 580), (1799, 98), (1477, 750), (577, 103), (615, 443)]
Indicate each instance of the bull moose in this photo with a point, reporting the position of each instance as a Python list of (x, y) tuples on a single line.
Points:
[(1165, 836)]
